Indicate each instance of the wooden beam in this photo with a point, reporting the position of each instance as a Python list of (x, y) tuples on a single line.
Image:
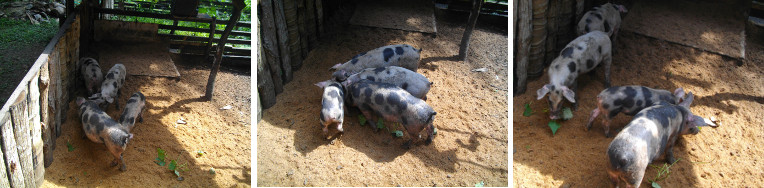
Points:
[(204, 39), (464, 47), (165, 16), (238, 6), (202, 30)]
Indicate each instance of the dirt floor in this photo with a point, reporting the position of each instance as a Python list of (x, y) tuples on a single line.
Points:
[(223, 136), (471, 142), (728, 156)]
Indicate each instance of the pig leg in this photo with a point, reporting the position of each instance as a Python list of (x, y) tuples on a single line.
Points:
[(575, 90), (326, 128), (595, 113), (606, 121), (116, 100), (339, 126), (607, 61)]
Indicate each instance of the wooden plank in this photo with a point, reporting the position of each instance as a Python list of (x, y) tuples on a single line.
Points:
[(302, 26), (538, 42), (4, 179), (283, 40), (265, 86), (49, 141), (310, 16), (203, 30), (270, 44), (10, 153), (524, 27), (238, 6), (21, 131), (320, 17), (36, 134), (290, 15), (204, 39), (163, 16), (465, 44)]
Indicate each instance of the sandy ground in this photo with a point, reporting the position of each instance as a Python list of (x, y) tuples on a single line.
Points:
[(222, 135), (728, 156), (471, 144)]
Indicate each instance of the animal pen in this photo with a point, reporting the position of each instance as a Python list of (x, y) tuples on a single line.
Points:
[(30, 121)]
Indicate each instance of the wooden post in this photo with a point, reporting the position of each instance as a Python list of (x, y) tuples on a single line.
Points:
[(320, 17), (237, 6), (524, 26), (49, 141), (270, 44), (34, 117), (565, 24), (538, 42), (290, 15), (21, 130), (10, 153), (283, 40), (310, 16), (302, 26), (265, 87), (551, 32), (464, 47), (86, 25), (213, 28)]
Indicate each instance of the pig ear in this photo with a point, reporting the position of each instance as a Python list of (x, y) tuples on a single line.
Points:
[(543, 91), (568, 94), (323, 84), (110, 100), (687, 101), (335, 66), (80, 100), (622, 9), (679, 93)]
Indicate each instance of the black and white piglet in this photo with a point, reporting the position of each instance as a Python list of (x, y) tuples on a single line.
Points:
[(580, 56), (133, 110), (333, 105), (605, 18), (402, 55), (629, 100), (100, 128), (652, 133), (110, 88), (394, 104), (91, 74), (414, 83)]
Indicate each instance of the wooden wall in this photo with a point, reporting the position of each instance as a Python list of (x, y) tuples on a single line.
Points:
[(31, 119)]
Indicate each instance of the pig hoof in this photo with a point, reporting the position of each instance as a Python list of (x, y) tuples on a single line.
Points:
[(123, 168)]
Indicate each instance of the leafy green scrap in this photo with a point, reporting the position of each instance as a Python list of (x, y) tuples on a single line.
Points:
[(398, 133), (528, 112), (554, 126), (362, 120), (479, 184), (567, 113), (69, 146), (161, 154), (380, 124)]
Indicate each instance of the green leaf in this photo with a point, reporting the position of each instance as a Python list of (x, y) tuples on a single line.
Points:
[(528, 147), (380, 124), (173, 165), (566, 113), (479, 184), (655, 185), (554, 126), (528, 111), (160, 163), (70, 146), (545, 110), (161, 154), (176, 173), (362, 120), (435, 131), (399, 133), (212, 170)]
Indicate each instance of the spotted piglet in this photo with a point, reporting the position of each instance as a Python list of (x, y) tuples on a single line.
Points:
[(110, 88), (333, 105), (100, 128), (414, 83), (580, 56), (394, 104), (402, 55), (629, 100), (133, 110), (91, 74), (605, 18), (652, 133)]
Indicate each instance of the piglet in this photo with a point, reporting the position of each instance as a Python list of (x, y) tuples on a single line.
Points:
[(414, 83), (629, 100), (394, 104), (100, 128), (133, 110), (91, 74), (580, 56), (605, 18), (652, 132), (110, 88), (402, 55), (333, 105)]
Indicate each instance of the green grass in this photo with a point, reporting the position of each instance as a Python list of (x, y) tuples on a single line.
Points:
[(16, 32), (16, 39)]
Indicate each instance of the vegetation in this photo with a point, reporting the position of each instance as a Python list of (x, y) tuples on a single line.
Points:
[(17, 39)]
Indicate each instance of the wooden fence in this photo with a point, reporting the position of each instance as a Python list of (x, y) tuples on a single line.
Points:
[(30, 120), (289, 30)]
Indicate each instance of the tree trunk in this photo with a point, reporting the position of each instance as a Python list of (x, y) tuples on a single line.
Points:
[(290, 13), (524, 28), (538, 42), (283, 40), (465, 45)]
